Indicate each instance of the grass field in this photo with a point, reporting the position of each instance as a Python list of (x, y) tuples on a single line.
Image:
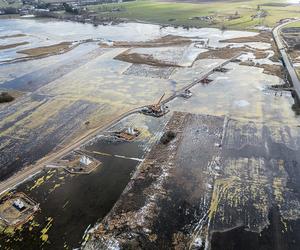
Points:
[(296, 24), (180, 13)]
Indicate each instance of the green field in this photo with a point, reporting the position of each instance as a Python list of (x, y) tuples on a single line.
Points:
[(181, 13), (296, 24)]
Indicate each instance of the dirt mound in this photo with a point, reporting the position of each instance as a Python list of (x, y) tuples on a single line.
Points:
[(137, 58), (227, 53), (263, 37), (46, 50), (168, 40), (10, 46)]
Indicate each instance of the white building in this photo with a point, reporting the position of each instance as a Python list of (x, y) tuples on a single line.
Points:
[(85, 160)]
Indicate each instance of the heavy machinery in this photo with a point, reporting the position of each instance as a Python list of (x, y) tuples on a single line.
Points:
[(221, 69), (186, 94), (127, 134), (206, 81), (157, 109)]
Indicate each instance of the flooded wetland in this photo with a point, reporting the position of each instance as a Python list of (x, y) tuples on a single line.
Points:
[(229, 179)]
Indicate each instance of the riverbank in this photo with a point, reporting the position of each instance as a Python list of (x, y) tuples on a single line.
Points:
[(237, 15)]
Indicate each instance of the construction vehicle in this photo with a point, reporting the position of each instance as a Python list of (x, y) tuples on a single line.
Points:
[(221, 69), (206, 81), (127, 134), (186, 94), (157, 109)]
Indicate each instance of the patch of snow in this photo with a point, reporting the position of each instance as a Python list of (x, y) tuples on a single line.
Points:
[(241, 103)]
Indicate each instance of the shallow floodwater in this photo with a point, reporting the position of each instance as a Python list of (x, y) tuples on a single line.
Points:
[(41, 32), (62, 92), (70, 204)]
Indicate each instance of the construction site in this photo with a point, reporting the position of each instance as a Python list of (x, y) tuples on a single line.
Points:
[(76, 163), (147, 137), (17, 209), (127, 134)]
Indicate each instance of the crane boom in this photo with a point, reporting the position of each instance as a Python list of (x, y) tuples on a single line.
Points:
[(159, 101)]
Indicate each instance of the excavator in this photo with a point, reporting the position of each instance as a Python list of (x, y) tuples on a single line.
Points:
[(157, 109)]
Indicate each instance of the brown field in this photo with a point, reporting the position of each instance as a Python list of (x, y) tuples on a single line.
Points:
[(264, 37), (14, 45), (275, 70), (46, 50), (165, 41), (12, 36), (227, 53)]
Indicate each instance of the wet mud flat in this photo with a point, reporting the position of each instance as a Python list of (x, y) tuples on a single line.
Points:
[(219, 184), (292, 36)]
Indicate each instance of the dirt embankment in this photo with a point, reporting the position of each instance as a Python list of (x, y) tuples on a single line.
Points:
[(12, 36), (264, 37), (227, 53), (275, 70), (136, 58), (291, 37), (14, 45), (48, 50), (165, 41), (294, 55)]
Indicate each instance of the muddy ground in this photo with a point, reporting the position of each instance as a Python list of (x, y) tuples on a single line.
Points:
[(275, 70), (13, 45), (229, 52), (271, 68), (138, 58), (88, 84), (262, 37), (292, 38), (47, 50), (169, 40), (12, 36), (220, 183)]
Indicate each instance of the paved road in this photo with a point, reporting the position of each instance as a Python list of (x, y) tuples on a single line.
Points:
[(32, 170), (286, 60)]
